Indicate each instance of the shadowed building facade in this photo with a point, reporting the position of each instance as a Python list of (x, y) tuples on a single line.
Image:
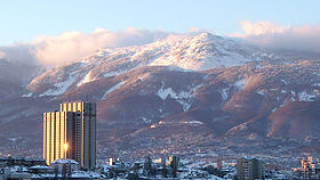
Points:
[(71, 133), (249, 169)]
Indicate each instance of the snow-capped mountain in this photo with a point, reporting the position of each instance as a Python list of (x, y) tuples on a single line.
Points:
[(203, 91), (201, 52)]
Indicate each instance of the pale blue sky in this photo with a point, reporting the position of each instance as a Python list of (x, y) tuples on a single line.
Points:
[(21, 20)]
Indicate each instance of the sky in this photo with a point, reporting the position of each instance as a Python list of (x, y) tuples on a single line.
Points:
[(76, 27), (21, 20)]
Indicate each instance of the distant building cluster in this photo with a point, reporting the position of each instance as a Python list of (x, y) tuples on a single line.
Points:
[(27, 168), (162, 168), (310, 168), (171, 167)]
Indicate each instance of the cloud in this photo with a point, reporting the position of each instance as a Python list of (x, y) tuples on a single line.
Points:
[(2, 55), (17, 64), (267, 34), (71, 46), (18, 53), (261, 28)]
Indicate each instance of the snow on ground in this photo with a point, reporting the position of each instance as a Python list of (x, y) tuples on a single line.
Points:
[(185, 105), (164, 93), (183, 97), (230, 59), (146, 120), (240, 84), (112, 89), (224, 94), (293, 96), (274, 109), (195, 165), (316, 84), (261, 92), (206, 51), (27, 95), (304, 96), (60, 87), (284, 82), (182, 122), (87, 78), (114, 73), (285, 102), (258, 66), (192, 122), (64, 161)]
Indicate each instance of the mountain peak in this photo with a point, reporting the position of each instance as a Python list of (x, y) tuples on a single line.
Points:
[(206, 36)]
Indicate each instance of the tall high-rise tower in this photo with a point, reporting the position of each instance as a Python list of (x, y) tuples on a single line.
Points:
[(71, 133)]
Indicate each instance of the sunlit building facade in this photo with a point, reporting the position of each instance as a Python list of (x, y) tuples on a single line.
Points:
[(71, 133)]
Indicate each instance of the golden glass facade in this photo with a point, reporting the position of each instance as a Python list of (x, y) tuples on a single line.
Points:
[(54, 135), (71, 133)]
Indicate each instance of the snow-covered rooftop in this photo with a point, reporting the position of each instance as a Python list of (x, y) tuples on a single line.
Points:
[(64, 161), (39, 167)]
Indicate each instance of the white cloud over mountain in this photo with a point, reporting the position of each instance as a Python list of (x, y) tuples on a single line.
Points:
[(71, 46), (267, 34), (260, 28), (2, 54), (18, 53)]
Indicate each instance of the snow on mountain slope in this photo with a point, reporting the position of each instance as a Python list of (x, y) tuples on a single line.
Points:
[(236, 106), (183, 97), (201, 52), (208, 51)]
